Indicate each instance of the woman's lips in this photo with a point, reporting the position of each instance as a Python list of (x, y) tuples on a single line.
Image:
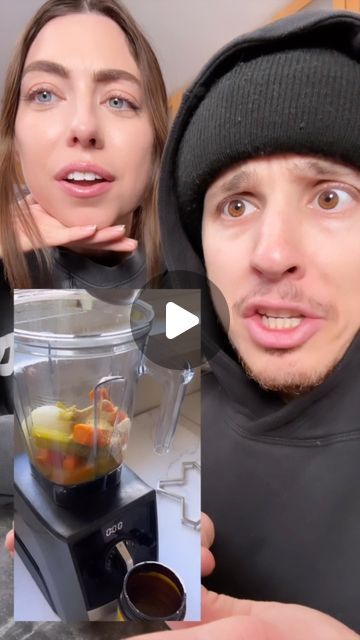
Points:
[(84, 179), (81, 190), (282, 332)]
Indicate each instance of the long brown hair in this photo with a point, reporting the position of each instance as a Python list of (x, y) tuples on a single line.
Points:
[(145, 226)]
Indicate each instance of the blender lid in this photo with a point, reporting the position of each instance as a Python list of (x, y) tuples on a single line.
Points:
[(75, 318)]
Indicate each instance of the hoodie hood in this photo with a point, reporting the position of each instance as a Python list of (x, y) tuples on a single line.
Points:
[(337, 31)]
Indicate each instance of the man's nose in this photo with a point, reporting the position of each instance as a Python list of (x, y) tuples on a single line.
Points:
[(278, 249), (85, 127)]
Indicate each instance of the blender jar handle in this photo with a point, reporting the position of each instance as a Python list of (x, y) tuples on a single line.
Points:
[(174, 383), (104, 383)]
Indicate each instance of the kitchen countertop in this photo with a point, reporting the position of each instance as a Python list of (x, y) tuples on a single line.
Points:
[(179, 545)]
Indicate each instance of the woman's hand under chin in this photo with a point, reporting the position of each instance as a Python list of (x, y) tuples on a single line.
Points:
[(78, 238)]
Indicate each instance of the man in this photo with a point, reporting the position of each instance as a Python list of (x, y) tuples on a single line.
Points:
[(261, 188)]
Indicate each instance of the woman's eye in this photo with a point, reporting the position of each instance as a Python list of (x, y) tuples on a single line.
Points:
[(121, 103), (44, 96), (237, 208), (333, 199)]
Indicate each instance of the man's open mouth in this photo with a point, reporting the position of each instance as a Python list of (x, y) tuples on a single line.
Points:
[(280, 322), (275, 326)]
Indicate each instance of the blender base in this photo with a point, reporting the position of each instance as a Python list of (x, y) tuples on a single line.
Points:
[(71, 553), (73, 496)]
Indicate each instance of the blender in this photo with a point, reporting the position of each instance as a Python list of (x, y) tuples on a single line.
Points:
[(82, 516)]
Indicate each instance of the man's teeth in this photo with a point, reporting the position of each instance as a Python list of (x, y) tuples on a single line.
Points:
[(272, 322), (83, 175)]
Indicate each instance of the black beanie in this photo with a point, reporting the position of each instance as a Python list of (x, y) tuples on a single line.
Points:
[(304, 101)]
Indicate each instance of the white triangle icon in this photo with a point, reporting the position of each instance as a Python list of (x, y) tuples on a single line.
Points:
[(178, 320)]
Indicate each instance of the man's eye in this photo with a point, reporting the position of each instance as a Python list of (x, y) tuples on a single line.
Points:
[(237, 208), (333, 199)]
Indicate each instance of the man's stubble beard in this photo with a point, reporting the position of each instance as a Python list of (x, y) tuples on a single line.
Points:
[(289, 384)]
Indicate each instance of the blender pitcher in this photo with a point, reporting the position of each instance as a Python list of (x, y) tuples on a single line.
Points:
[(76, 369)]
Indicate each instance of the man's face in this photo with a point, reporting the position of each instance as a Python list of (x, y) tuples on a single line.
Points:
[(281, 242)]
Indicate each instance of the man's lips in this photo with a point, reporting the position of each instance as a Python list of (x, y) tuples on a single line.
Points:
[(279, 309), (275, 325)]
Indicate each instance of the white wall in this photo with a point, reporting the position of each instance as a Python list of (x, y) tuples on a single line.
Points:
[(184, 33)]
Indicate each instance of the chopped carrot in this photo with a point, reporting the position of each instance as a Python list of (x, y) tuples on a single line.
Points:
[(56, 459), (104, 394), (112, 417), (117, 416), (42, 456), (103, 437), (120, 416), (84, 434), (107, 405), (81, 474), (84, 473), (72, 462)]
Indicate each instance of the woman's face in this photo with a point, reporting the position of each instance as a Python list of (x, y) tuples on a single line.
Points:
[(83, 134)]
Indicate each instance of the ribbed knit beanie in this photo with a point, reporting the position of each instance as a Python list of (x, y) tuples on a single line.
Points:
[(304, 101)]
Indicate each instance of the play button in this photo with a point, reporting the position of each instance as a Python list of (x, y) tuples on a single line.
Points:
[(174, 341), (178, 320)]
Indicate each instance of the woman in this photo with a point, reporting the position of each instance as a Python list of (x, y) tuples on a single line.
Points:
[(83, 125)]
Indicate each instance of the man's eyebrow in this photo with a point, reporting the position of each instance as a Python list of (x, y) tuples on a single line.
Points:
[(101, 76), (322, 167), (236, 182)]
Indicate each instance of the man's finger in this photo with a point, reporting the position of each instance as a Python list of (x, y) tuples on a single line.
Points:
[(207, 562), (9, 541), (207, 531), (296, 622), (236, 628)]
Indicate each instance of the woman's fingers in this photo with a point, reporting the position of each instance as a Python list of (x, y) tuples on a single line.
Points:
[(108, 239), (65, 235), (54, 233)]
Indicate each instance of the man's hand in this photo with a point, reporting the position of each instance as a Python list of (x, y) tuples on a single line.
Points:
[(86, 238), (9, 542), (207, 539), (225, 617)]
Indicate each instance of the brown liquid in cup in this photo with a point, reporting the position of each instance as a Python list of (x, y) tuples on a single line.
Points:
[(154, 595)]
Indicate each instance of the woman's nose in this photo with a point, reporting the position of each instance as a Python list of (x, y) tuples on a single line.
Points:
[(85, 128)]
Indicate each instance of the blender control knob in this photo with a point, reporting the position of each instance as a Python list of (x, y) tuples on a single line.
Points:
[(120, 556)]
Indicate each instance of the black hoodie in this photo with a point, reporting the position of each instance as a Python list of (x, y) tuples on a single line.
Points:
[(280, 481)]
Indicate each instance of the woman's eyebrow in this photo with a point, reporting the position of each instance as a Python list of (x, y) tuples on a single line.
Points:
[(47, 66), (101, 76)]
